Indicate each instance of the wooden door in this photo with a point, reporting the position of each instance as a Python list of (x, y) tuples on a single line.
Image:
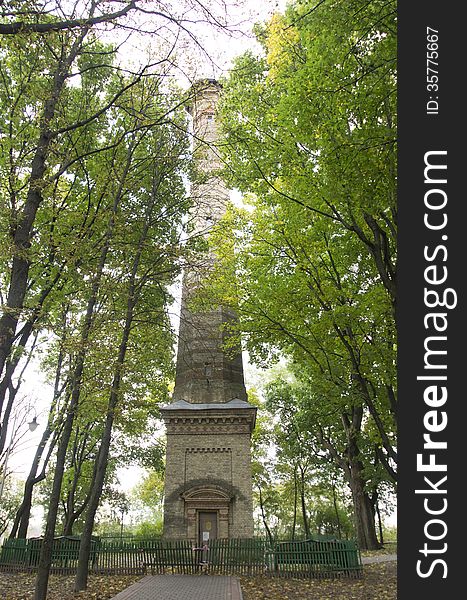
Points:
[(207, 527)]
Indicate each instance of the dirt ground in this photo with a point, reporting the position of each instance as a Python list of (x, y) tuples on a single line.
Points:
[(378, 583)]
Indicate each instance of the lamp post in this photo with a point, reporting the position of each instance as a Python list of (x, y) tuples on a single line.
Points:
[(122, 511), (33, 425)]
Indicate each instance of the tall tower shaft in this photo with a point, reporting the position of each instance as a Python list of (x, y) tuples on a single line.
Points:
[(205, 373), (208, 490)]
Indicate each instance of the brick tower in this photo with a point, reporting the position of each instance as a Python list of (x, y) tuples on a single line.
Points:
[(208, 490)]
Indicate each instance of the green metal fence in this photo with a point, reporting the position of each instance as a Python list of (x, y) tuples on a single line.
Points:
[(20, 554), (253, 556), (316, 558), (14, 553), (240, 556), (165, 556)]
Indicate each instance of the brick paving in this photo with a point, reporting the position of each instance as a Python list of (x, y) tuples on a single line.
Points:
[(183, 587)]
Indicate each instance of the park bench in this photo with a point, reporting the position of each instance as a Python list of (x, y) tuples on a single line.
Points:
[(168, 556), (65, 551)]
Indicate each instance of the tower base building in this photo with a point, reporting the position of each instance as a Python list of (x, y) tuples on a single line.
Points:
[(208, 491)]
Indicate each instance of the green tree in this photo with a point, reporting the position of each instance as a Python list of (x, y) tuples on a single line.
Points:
[(11, 498), (313, 123), (52, 107), (125, 293), (148, 501), (335, 438), (309, 136)]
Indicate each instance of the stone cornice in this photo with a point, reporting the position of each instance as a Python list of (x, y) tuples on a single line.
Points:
[(236, 417), (201, 423)]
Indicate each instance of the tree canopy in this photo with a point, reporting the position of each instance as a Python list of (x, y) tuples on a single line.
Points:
[(95, 228), (309, 137)]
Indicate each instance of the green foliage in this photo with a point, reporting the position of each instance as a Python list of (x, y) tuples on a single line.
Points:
[(114, 171), (310, 136), (288, 465), (313, 122), (309, 262), (329, 521), (150, 529), (390, 535), (10, 500), (150, 491)]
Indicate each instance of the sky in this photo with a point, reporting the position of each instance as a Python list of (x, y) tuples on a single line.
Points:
[(206, 51)]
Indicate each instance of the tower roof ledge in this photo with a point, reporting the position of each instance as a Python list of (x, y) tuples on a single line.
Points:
[(201, 88), (235, 404)]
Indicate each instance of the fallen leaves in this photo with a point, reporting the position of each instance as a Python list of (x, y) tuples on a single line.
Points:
[(20, 586), (379, 582)]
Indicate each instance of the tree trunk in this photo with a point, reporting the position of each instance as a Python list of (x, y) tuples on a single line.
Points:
[(363, 510), (45, 558), (23, 234), (7, 385), (263, 516), (72, 513), (366, 394), (12, 363), (303, 502), (295, 499), (21, 523), (353, 469), (46, 550), (102, 458), (336, 510), (380, 524), (73, 517), (103, 454)]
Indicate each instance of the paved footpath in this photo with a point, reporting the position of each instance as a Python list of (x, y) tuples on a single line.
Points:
[(368, 560), (183, 587)]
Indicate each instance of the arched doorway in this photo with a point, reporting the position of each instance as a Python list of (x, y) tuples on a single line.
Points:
[(207, 510)]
